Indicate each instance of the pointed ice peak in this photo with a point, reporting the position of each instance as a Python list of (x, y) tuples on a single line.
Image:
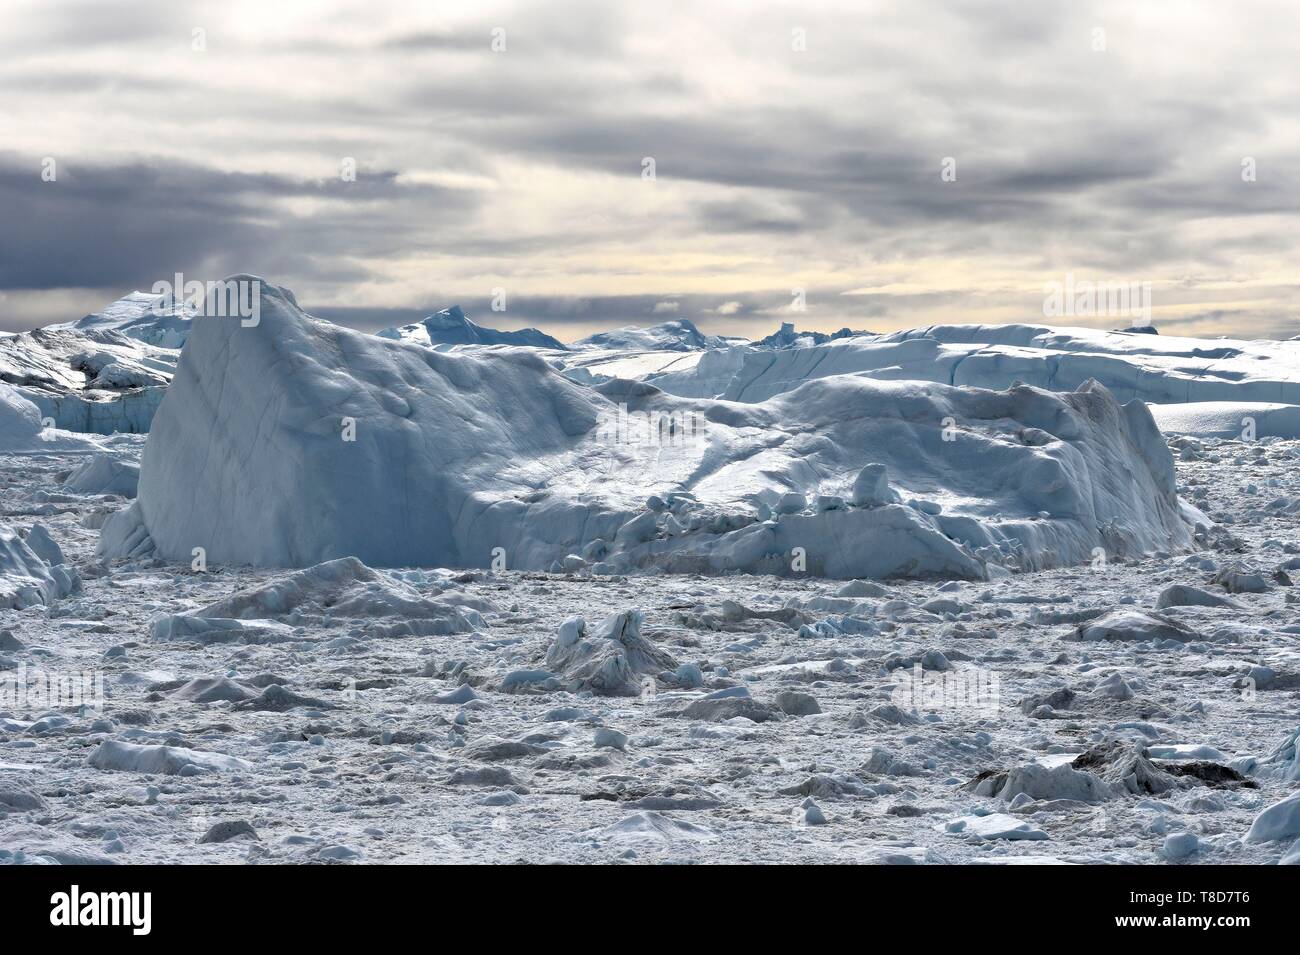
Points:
[(451, 327), (788, 337)]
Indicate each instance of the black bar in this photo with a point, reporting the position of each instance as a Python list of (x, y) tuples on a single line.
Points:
[(335, 904)]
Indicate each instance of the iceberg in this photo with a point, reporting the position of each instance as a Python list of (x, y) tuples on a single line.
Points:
[(451, 327), (343, 589), (1155, 368), (145, 316), (678, 335), (93, 379), (788, 337), (26, 579), (296, 442)]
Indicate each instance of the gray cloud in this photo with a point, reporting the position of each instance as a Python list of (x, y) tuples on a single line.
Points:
[(129, 226), (523, 168)]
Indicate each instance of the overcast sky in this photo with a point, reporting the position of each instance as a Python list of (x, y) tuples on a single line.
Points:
[(1101, 139)]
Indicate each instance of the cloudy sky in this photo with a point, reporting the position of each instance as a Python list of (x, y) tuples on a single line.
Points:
[(795, 146)]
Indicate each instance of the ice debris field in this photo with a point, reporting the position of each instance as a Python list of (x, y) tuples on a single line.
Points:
[(290, 592)]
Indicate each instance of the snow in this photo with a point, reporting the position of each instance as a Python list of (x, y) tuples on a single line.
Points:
[(143, 316), (117, 756), (277, 445), (610, 660), (61, 359), (996, 825), (598, 366), (105, 474), (1227, 419), (705, 377), (345, 589), (1154, 368), (678, 335), (1279, 821), (451, 327), (95, 379), (26, 579)]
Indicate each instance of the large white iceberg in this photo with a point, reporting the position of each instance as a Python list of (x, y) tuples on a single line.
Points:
[(296, 441), (1155, 368)]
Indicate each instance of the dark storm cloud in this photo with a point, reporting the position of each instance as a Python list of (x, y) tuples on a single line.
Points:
[(746, 215), (128, 226)]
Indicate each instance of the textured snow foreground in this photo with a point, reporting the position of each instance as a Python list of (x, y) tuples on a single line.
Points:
[(297, 441), (1139, 711)]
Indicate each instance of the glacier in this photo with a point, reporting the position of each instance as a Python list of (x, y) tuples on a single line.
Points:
[(296, 442)]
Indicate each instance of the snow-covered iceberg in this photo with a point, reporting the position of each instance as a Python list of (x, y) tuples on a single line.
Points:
[(1229, 419), (787, 336), (20, 419), (26, 579), (23, 429), (343, 589), (95, 379), (451, 327), (1155, 368), (148, 317), (677, 335), (296, 441)]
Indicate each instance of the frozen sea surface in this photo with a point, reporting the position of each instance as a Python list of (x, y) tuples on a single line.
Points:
[(774, 719)]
